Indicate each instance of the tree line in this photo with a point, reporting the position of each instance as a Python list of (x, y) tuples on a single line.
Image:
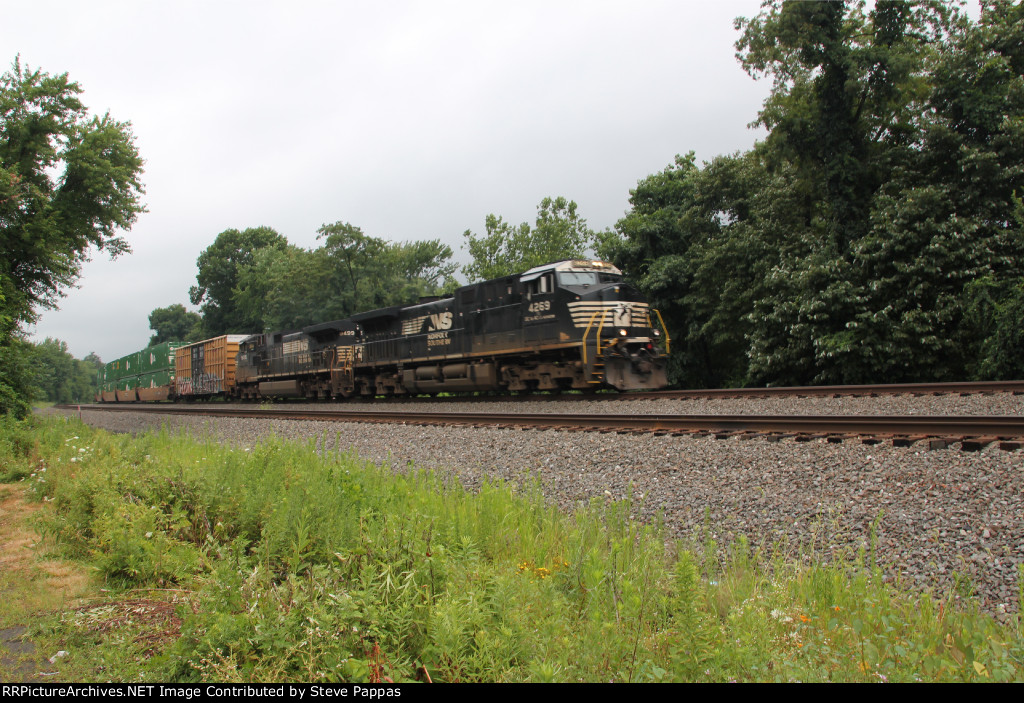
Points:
[(874, 235), (254, 280), (69, 182)]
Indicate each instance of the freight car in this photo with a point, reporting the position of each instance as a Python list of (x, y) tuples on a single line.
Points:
[(143, 375), (569, 325)]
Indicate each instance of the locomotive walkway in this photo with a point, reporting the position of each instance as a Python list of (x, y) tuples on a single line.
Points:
[(972, 432)]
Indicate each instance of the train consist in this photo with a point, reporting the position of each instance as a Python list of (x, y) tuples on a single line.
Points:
[(569, 325)]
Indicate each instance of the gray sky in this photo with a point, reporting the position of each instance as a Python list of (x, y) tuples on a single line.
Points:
[(411, 120)]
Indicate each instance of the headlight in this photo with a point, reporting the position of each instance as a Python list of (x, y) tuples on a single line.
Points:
[(656, 333), (622, 333)]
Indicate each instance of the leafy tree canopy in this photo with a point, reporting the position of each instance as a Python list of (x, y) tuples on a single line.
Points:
[(559, 233), (68, 182), (220, 266), (351, 272), (60, 377), (874, 235), (175, 324)]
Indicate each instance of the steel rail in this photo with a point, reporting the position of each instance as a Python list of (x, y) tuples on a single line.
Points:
[(961, 387), (1000, 426)]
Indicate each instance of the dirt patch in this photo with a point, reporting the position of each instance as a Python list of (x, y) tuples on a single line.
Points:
[(29, 584), (21, 559)]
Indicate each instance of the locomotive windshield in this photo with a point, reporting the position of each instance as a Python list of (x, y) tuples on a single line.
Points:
[(586, 278)]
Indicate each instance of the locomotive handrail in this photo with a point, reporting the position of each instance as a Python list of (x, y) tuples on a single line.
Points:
[(587, 333), (668, 339)]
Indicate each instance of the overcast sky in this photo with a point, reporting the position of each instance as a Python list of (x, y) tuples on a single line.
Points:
[(411, 120)]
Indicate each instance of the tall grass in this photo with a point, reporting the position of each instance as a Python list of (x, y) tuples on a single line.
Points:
[(302, 566)]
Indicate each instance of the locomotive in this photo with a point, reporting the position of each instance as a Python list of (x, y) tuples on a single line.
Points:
[(572, 325)]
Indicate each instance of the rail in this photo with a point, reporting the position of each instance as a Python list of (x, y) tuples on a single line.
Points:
[(974, 431)]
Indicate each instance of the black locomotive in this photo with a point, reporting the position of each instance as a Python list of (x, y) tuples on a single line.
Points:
[(569, 325)]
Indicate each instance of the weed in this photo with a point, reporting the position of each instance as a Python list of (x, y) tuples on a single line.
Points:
[(289, 565)]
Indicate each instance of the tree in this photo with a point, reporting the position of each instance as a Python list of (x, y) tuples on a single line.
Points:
[(220, 267), (282, 289), (698, 242), (60, 377), (903, 125), (874, 235), (351, 272), (559, 233), (16, 375), (68, 182), (174, 324)]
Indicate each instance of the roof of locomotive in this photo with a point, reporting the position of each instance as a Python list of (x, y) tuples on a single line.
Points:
[(332, 326), (570, 265)]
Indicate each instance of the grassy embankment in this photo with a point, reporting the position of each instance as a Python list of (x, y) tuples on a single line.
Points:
[(279, 564)]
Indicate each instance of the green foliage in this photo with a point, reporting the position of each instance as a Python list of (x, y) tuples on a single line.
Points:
[(16, 376), (175, 324), (559, 233), (698, 242), (67, 182), (220, 267), (60, 377), (288, 287), (846, 247), (303, 566), (996, 310)]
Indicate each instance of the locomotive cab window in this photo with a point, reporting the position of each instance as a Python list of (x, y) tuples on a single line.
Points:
[(540, 285), (586, 278)]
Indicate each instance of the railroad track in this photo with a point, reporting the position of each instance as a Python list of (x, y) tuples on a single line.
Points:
[(971, 432), (915, 389)]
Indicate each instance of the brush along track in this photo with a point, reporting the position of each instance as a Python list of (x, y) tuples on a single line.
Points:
[(973, 432)]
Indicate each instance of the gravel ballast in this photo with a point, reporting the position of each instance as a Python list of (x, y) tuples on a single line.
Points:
[(945, 520)]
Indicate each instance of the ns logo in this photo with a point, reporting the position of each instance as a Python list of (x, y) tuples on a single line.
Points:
[(440, 321)]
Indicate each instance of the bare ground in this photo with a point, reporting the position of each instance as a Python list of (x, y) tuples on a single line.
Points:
[(30, 583)]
